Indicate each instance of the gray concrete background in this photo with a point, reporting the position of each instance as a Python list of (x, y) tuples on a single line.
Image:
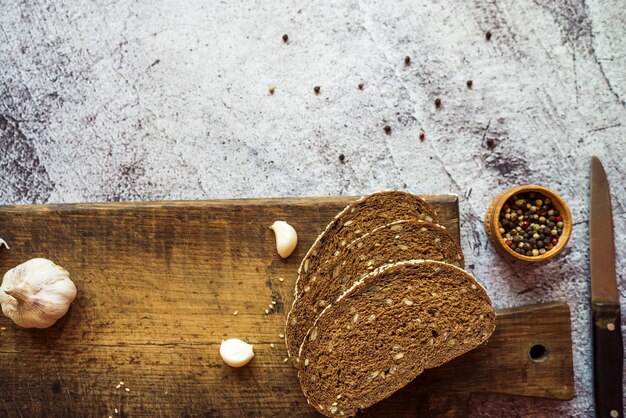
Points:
[(136, 100)]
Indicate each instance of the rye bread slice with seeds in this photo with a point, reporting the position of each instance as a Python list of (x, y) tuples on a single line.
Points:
[(387, 329), (357, 219), (402, 240)]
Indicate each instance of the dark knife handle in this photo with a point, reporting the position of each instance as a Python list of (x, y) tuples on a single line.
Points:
[(608, 361)]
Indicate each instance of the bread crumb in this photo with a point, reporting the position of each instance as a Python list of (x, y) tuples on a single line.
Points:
[(272, 345), (127, 389), (118, 386), (267, 312), (116, 411), (280, 279), (306, 362), (407, 302), (235, 313), (281, 335), (286, 359), (3, 329)]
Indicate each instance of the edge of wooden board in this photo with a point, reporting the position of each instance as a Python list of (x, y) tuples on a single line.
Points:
[(294, 201)]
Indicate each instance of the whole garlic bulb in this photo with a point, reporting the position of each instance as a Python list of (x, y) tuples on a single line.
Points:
[(37, 293)]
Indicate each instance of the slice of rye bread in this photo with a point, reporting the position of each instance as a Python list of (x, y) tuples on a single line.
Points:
[(402, 240), (357, 219), (388, 328)]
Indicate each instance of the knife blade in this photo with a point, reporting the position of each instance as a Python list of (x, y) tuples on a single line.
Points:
[(608, 350)]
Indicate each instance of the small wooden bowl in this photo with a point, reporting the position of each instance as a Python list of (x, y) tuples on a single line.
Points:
[(493, 228)]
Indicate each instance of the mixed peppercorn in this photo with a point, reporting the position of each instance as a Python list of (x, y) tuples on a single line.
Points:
[(530, 224)]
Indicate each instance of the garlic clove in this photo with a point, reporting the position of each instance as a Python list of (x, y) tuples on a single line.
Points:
[(236, 353), (286, 238)]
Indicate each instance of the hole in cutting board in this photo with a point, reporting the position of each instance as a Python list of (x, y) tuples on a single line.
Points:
[(538, 353)]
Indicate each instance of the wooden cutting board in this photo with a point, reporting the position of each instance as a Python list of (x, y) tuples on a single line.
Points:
[(158, 286)]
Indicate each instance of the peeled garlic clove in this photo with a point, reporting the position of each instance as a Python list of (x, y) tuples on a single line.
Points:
[(37, 293), (236, 353), (286, 238)]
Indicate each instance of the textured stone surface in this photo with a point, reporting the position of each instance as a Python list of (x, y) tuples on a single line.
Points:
[(139, 101)]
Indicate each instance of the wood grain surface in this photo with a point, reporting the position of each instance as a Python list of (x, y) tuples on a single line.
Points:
[(158, 287)]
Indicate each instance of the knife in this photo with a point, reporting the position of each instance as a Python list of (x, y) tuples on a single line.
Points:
[(608, 349)]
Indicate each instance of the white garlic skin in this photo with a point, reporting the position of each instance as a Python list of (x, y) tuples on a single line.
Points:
[(286, 238), (3, 242), (236, 353), (37, 293)]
